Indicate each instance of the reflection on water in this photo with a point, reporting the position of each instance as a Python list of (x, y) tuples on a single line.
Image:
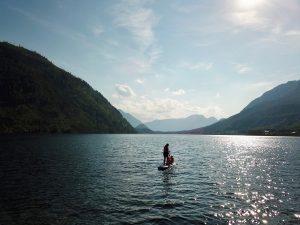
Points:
[(113, 179), (167, 183), (257, 181)]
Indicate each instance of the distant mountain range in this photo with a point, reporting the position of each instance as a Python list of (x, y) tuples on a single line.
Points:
[(136, 123), (171, 125), (168, 125), (38, 97), (276, 112)]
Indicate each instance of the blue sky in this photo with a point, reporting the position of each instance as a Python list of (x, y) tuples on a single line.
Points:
[(165, 59)]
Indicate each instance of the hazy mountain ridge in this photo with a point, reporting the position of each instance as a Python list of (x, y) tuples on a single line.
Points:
[(38, 97), (188, 123), (134, 122), (277, 110), (167, 125)]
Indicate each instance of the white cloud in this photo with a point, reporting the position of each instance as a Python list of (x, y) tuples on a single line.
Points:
[(186, 8), (148, 109), (137, 17), (123, 91), (293, 33), (178, 92), (274, 17), (138, 20), (250, 19), (139, 81), (249, 14), (242, 68)]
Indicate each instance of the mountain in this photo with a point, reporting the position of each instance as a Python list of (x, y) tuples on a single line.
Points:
[(277, 111), (38, 97), (138, 125), (143, 129), (130, 118), (283, 92), (188, 123)]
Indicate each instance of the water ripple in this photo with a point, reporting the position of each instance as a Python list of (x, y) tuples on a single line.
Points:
[(113, 179)]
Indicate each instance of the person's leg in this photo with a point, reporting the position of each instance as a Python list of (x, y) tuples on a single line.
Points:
[(165, 158)]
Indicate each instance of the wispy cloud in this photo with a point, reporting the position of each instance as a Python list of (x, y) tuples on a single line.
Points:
[(31, 16), (273, 17), (250, 19), (293, 33), (98, 30), (148, 109), (178, 92), (186, 8), (113, 42), (242, 68), (136, 65), (197, 66), (154, 54), (53, 27), (139, 81), (139, 20), (254, 14)]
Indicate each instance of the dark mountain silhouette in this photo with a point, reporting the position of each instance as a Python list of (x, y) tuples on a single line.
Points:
[(38, 97), (276, 112), (283, 93), (191, 122), (143, 129)]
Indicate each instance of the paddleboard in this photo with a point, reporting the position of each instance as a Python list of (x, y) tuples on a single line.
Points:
[(165, 167)]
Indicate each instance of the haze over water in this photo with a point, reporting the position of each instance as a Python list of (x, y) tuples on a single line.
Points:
[(113, 179)]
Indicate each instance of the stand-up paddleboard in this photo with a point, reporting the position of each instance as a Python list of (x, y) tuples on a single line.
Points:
[(165, 167)]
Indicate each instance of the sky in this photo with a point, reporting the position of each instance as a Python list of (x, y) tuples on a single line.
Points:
[(159, 59)]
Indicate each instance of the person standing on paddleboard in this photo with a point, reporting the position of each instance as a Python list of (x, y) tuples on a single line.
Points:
[(166, 153)]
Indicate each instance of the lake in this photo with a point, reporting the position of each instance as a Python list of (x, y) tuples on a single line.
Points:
[(113, 179)]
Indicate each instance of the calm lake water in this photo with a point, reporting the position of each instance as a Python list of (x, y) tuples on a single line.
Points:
[(113, 179)]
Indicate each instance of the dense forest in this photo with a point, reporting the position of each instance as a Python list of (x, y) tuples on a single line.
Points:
[(38, 97)]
